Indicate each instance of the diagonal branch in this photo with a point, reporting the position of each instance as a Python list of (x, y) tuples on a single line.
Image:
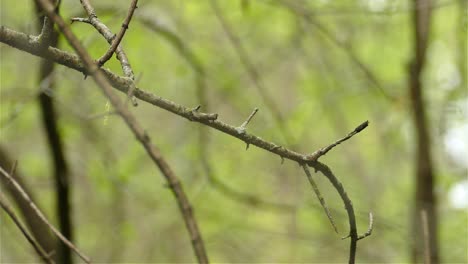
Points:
[(37, 247), (26, 197), (27, 43), (154, 153), (120, 35), (109, 36), (203, 142)]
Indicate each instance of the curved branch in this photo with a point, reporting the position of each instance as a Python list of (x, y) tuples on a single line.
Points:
[(326, 171)]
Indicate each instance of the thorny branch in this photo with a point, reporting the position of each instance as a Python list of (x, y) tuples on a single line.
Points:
[(154, 153), (26, 197), (28, 44), (110, 37), (203, 142), (120, 35)]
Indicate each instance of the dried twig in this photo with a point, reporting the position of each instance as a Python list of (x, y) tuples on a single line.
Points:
[(26, 197), (153, 152), (120, 35), (23, 42), (317, 154), (46, 258), (203, 143), (108, 35), (243, 127)]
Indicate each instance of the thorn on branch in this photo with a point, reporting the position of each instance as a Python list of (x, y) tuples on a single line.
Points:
[(243, 127), (282, 160), (247, 146), (118, 38), (317, 154), (80, 19), (194, 114), (369, 230), (195, 109)]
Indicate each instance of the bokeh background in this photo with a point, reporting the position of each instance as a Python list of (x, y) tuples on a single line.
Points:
[(314, 75)]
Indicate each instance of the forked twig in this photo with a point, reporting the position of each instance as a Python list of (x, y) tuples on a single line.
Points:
[(118, 38)]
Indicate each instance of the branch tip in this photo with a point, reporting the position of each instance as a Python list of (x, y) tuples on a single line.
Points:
[(317, 154), (243, 127), (369, 230)]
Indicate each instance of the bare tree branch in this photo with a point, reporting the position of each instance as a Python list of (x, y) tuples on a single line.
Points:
[(109, 36), (23, 230), (27, 43), (22, 41), (140, 134), (26, 197), (38, 229), (120, 35)]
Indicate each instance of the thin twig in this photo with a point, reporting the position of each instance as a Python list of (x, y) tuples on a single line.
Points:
[(23, 42), (41, 216), (243, 127), (109, 36), (120, 35), (154, 153), (317, 154), (23, 230), (319, 196), (369, 229)]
